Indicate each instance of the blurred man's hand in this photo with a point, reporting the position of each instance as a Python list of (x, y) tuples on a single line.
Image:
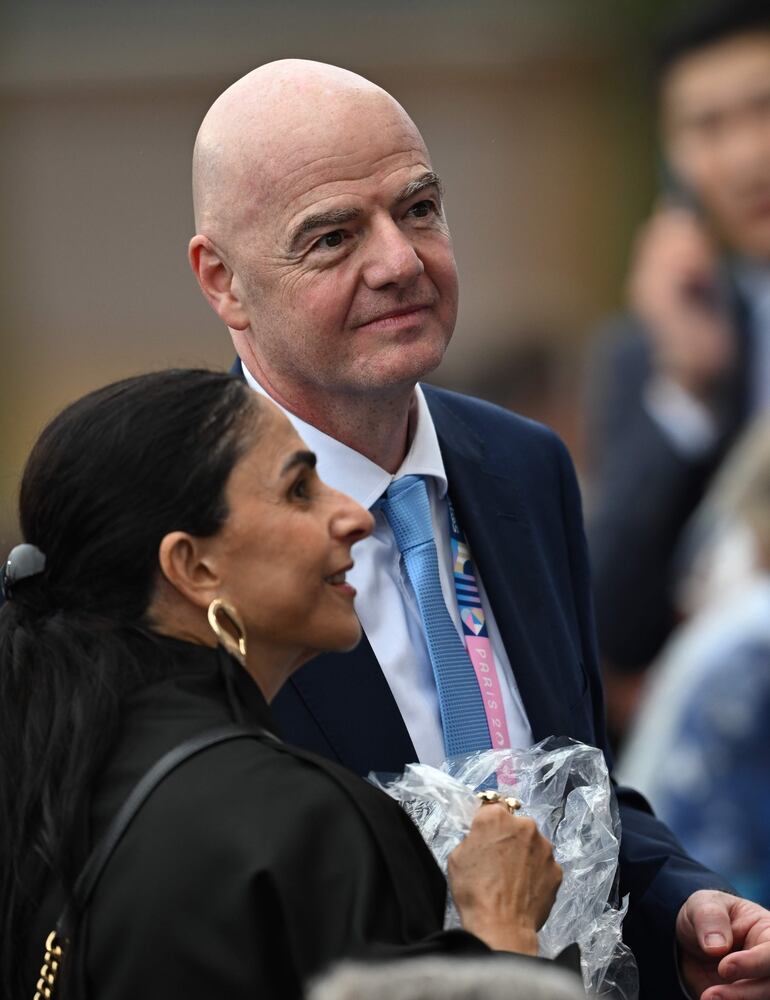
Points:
[(673, 288), (725, 947)]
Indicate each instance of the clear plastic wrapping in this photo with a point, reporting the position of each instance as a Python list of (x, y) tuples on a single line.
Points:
[(565, 788)]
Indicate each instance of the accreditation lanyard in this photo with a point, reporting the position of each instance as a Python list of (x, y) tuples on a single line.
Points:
[(476, 634)]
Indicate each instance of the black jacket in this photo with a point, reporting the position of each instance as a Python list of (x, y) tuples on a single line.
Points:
[(251, 867)]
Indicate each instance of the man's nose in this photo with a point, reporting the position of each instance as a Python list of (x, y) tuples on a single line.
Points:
[(391, 257)]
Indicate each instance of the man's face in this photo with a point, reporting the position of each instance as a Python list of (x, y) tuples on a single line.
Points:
[(345, 266), (716, 119)]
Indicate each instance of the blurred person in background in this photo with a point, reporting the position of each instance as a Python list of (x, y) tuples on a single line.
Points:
[(681, 373), (181, 559), (700, 747), (323, 246), (448, 979)]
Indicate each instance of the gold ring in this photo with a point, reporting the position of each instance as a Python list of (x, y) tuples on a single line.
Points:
[(491, 797)]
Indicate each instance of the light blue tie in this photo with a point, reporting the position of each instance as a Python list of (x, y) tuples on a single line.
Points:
[(407, 508)]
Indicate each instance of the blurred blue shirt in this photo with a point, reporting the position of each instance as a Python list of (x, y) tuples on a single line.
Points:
[(701, 748)]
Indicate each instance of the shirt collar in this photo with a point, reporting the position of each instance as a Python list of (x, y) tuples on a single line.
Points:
[(353, 473)]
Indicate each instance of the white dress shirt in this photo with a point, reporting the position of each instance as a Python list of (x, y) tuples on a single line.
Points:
[(386, 605)]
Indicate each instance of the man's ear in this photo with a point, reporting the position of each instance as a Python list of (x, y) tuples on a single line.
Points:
[(216, 279), (187, 566)]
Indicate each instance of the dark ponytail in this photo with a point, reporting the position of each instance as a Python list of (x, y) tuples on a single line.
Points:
[(107, 479)]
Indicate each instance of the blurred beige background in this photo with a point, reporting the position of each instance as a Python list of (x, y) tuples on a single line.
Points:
[(535, 112)]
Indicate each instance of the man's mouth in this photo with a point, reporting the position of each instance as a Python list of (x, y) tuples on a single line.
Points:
[(759, 208), (404, 312)]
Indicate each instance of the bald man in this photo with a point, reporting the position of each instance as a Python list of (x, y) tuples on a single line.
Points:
[(322, 244), (280, 194)]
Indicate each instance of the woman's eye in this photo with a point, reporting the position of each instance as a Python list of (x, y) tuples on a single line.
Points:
[(301, 489)]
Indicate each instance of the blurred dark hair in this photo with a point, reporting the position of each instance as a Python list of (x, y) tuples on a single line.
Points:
[(107, 479), (702, 24)]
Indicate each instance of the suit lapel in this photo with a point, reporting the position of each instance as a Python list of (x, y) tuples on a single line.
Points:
[(515, 573), (340, 705)]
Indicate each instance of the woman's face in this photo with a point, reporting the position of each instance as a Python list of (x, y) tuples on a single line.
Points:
[(284, 549)]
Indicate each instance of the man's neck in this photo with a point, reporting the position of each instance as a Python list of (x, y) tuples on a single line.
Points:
[(378, 426)]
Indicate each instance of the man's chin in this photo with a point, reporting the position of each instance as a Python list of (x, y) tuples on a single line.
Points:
[(405, 369)]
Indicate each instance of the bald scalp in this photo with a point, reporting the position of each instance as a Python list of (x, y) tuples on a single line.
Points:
[(242, 145)]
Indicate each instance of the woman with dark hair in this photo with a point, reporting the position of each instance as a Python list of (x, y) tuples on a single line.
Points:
[(181, 559)]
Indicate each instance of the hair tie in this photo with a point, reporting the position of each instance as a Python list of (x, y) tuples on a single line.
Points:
[(23, 561)]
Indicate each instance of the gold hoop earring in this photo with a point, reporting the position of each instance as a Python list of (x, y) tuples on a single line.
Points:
[(236, 647)]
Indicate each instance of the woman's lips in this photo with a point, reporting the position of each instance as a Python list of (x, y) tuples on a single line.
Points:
[(339, 582)]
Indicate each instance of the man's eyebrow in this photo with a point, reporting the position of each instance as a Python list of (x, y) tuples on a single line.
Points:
[(320, 220), (426, 180), (307, 458), (339, 216)]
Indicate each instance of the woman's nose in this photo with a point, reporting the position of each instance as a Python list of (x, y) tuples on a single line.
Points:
[(351, 521)]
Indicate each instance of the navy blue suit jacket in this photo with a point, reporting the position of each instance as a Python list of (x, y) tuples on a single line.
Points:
[(514, 488)]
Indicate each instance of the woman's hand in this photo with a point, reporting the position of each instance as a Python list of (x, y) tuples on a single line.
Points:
[(504, 880)]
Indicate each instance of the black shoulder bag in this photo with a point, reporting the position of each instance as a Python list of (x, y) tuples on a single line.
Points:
[(59, 940)]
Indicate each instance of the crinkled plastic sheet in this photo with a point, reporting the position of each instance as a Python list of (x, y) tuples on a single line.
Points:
[(565, 788)]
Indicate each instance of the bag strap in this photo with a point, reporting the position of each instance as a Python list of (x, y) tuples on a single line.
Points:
[(94, 866)]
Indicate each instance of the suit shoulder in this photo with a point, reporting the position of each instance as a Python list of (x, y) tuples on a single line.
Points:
[(503, 428)]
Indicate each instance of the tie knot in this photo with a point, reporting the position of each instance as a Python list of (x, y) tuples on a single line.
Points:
[(407, 508)]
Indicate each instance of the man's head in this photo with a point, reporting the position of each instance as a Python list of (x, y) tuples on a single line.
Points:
[(321, 240), (714, 85)]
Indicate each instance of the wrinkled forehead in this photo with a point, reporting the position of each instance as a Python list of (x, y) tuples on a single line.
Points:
[(305, 153)]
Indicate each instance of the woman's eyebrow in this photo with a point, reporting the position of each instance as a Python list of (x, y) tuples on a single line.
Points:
[(307, 458)]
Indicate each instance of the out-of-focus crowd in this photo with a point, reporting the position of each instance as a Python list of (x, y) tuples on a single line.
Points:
[(678, 512)]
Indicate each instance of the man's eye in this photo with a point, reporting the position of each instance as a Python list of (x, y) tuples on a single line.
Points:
[(331, 240), (423, 208), (706, 125)]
